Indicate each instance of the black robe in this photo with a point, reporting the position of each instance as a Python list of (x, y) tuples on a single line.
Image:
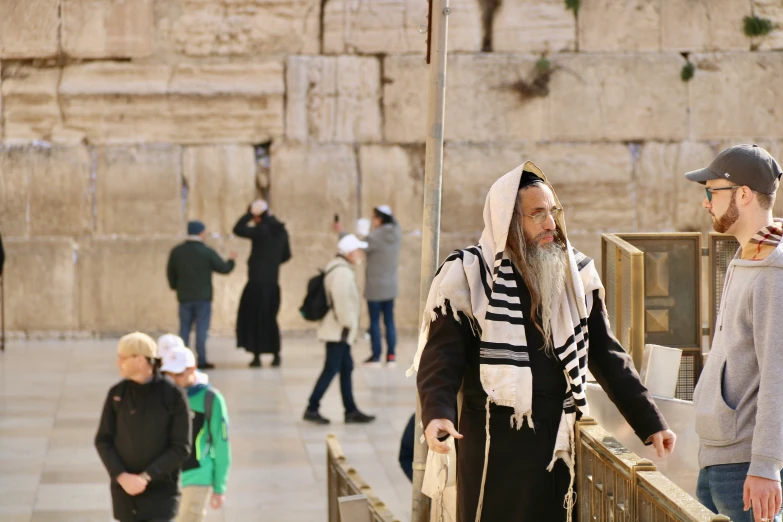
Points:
[(518, 487), (257, 329)]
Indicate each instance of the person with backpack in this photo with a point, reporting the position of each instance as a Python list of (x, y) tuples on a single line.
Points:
[(207, 468), (339, 329), (144, 435)]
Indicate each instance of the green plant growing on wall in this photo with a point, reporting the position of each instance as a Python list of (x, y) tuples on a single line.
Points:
[(573, 5), (538, 85), (688, 70), (756, 26)]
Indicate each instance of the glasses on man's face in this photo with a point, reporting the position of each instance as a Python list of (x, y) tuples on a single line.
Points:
[(540, 216), (711, 190)]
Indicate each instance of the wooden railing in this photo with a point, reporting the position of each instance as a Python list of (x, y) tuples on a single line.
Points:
[(615, 485), (344, 481)]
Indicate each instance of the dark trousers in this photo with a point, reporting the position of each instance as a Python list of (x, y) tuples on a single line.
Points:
[(199, 312), (338, 360), (376, 308)]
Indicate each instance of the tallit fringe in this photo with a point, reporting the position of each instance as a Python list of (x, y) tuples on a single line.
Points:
[(517, 420), (484, 473), (570, 498)]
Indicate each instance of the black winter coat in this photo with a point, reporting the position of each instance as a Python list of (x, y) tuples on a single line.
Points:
[(145, 427), (270, 247)]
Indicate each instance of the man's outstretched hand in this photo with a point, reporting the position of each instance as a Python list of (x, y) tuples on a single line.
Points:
[(439, 428), (664, 442)]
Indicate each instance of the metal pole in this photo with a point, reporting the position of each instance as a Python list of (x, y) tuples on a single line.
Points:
[(433, 174)]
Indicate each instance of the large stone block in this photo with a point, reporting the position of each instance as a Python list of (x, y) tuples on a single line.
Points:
[(29, 29), (618, 97), (630, 26), (772, 10), (311, 183), (139, 190), (221, 183), (406, 306), (665, 200), (128, 103), (40, 279), (49, 188), (244, 27), (31, 109), (392, 27), (703, 25), (123, 286), (731, 96), (333, 99), (228, 288), (533, 26), (108, 28), (481, 105), (310, 252), (394, 176)]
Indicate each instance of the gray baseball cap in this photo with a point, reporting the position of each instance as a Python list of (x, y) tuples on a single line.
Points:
[(744, 165)]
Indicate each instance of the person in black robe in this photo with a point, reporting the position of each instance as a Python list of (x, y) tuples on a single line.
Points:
[(257, 329)]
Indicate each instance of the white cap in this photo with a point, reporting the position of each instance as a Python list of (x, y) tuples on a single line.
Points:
[(177, 360), (385, 209), (258, 207), (350, 243), (167, 342)]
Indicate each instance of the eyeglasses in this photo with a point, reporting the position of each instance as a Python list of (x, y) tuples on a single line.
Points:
[(540, 216), (709, 191)]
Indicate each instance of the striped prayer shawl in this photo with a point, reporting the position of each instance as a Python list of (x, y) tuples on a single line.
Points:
[(764, 242)]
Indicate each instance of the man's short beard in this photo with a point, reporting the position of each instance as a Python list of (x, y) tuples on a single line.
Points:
[(543, 268), (725, 222)]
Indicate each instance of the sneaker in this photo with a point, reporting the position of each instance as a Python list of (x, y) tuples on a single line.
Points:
[(357, 417), (371, 362), (314, 417), (256, 362), (391, 361), (276, 361), (206, 366)]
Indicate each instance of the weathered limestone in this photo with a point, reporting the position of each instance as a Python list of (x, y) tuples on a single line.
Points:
[(481, 105), (665, 200), (31, 111), (123, 286), (332, 179), (29, 29), (48, 190), (406, 310), (221, 103), (221, 184), (228, 288), (732, 95), (392, 27), (244, 27), (333, 99), (703, 25), (533, 26), (138, 190), (629, 26), (619, 98), (394, 176), (772, 10), (40, 283), (107, 29)]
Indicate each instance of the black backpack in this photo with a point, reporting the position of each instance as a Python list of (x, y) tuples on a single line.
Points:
[(316, 303)]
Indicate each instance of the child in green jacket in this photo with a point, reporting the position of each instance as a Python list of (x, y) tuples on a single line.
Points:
[(209, 462)]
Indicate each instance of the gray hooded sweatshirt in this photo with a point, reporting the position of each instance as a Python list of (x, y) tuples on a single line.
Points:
[(383, 253), (739, 398)]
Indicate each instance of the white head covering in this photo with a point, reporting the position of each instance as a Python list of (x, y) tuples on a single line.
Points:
[(258, 207), (385, 209), (350, 243), (177, 360), (167, 342)]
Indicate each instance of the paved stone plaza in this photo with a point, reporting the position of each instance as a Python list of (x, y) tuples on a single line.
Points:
[(51, 394)]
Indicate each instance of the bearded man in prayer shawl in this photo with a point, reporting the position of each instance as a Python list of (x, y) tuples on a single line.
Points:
[(515, 323)]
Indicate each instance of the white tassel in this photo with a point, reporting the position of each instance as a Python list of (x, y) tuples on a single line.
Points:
[(484, 473)]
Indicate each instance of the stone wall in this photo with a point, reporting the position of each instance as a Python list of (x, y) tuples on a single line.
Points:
[(122, 120)]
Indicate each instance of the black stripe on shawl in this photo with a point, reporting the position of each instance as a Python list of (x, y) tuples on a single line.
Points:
[(497, 303), (491, 316)]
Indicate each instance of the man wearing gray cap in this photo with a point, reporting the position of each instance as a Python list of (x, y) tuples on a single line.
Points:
[(739, 397)]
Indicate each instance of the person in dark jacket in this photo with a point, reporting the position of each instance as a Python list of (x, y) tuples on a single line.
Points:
[(189, 271), (257, 328), (2, 256), (144, 435), (405, 457)]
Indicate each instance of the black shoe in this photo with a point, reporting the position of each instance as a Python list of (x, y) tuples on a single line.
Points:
[(357, 417), (315, 417), (256, 362), (371, 362), (276, 361), (206, 366)]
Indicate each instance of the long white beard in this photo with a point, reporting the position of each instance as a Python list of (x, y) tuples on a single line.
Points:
[(547, 264)]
